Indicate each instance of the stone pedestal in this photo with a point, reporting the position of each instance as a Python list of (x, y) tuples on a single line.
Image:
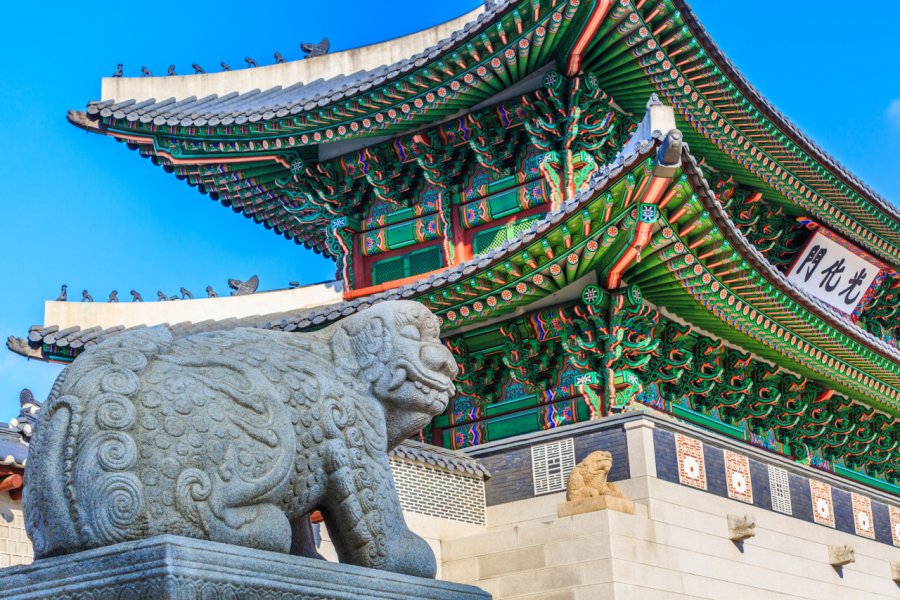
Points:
[(577, 507), (178, 568)]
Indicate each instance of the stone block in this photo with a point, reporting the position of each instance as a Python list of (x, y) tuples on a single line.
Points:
[(543, 580), (541, 532), (586, 505), (516, 561), (895, 571), (498, 540), (172, 567), (464, 570)]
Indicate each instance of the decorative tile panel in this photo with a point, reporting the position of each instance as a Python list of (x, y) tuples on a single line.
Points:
[(822, 503), (863, 520), (691, 467), (551, 464), (737, 477), (895, 525), (780, 488)]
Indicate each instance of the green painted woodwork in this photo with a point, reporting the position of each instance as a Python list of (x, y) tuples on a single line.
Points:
[(407, 265), (490, 239)]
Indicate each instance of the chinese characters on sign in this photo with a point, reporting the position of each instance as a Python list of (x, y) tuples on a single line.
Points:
[(833, 273)]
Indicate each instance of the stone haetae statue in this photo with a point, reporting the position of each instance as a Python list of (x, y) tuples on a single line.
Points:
[(589, 478), (235, 436), (589, 488)]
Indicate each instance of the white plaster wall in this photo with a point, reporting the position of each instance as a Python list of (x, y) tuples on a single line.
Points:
[(151, 312), (263, 78), (15, 547)]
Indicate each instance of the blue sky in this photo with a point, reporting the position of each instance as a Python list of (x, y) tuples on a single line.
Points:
[(83, 210)]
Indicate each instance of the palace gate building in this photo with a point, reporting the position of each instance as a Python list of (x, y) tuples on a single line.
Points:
[(629, 249)]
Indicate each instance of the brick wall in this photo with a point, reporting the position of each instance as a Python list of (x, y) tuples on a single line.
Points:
[(15, 547), (428, 491)]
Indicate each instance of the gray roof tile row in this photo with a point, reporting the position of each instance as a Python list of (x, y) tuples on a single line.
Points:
[(239, 108)]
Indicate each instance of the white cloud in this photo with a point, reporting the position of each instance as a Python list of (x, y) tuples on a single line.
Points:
[(893, 112)]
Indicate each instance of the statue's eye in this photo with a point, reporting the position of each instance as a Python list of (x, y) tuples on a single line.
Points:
[(411, 332)]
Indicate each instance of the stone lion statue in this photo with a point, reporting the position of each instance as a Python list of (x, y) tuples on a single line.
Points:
[(588, 478), (235, 436)]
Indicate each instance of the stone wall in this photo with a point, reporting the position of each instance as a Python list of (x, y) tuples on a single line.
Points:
[(15, 548), (675, 546)]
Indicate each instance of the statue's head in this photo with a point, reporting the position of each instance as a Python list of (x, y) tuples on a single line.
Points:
[(393, 352), (598, 462)]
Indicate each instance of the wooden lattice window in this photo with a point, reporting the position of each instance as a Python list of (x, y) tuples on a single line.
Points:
[(490, 239), (407, 265), (551, 464), (780, 490)]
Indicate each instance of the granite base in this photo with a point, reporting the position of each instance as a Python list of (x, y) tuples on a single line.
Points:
[(178, 568)]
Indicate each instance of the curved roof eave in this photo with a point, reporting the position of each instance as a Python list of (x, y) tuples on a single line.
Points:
[(776, 116)]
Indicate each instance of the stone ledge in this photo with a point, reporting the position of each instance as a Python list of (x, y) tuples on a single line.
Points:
[(586, 505), (172, 567)]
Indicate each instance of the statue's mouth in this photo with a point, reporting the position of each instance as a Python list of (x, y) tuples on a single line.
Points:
[(433, 385)]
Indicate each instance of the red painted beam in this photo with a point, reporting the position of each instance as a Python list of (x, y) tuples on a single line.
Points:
[(641, 237), (593, 24)]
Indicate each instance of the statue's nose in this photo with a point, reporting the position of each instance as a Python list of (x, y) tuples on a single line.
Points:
[(437, 358)]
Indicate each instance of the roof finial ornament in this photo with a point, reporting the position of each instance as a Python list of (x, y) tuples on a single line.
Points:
[(85, 297), (145, 72), (225, 67), (314, 50), (197, 69), (279, 59), (160, 297), (62, 294), (243, 288), (210, 292), (136, 297), (250, 62), (171, 71), (113, 296), (118, 72), (185, 294)]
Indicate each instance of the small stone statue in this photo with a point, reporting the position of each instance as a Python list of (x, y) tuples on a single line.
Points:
[(160, 297), (113, 296), (840, 556), (243, 288), (314, 50), (145, 72), (250, 62), (279, 59), (293, 284), (236, 436), (741, 528), (589, 478), (136, 297), (63, 294), (589, 488), (118, 72), (210, 292), (85, 297), (224, 66), (197, 69), (185, 294)]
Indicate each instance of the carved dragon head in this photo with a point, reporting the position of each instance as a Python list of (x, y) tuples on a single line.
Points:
[(393, 352)]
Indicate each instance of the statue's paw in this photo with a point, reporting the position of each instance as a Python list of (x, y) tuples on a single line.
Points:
[(413, 556)]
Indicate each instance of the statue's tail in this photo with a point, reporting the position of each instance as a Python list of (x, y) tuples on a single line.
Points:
[(49, 516)]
